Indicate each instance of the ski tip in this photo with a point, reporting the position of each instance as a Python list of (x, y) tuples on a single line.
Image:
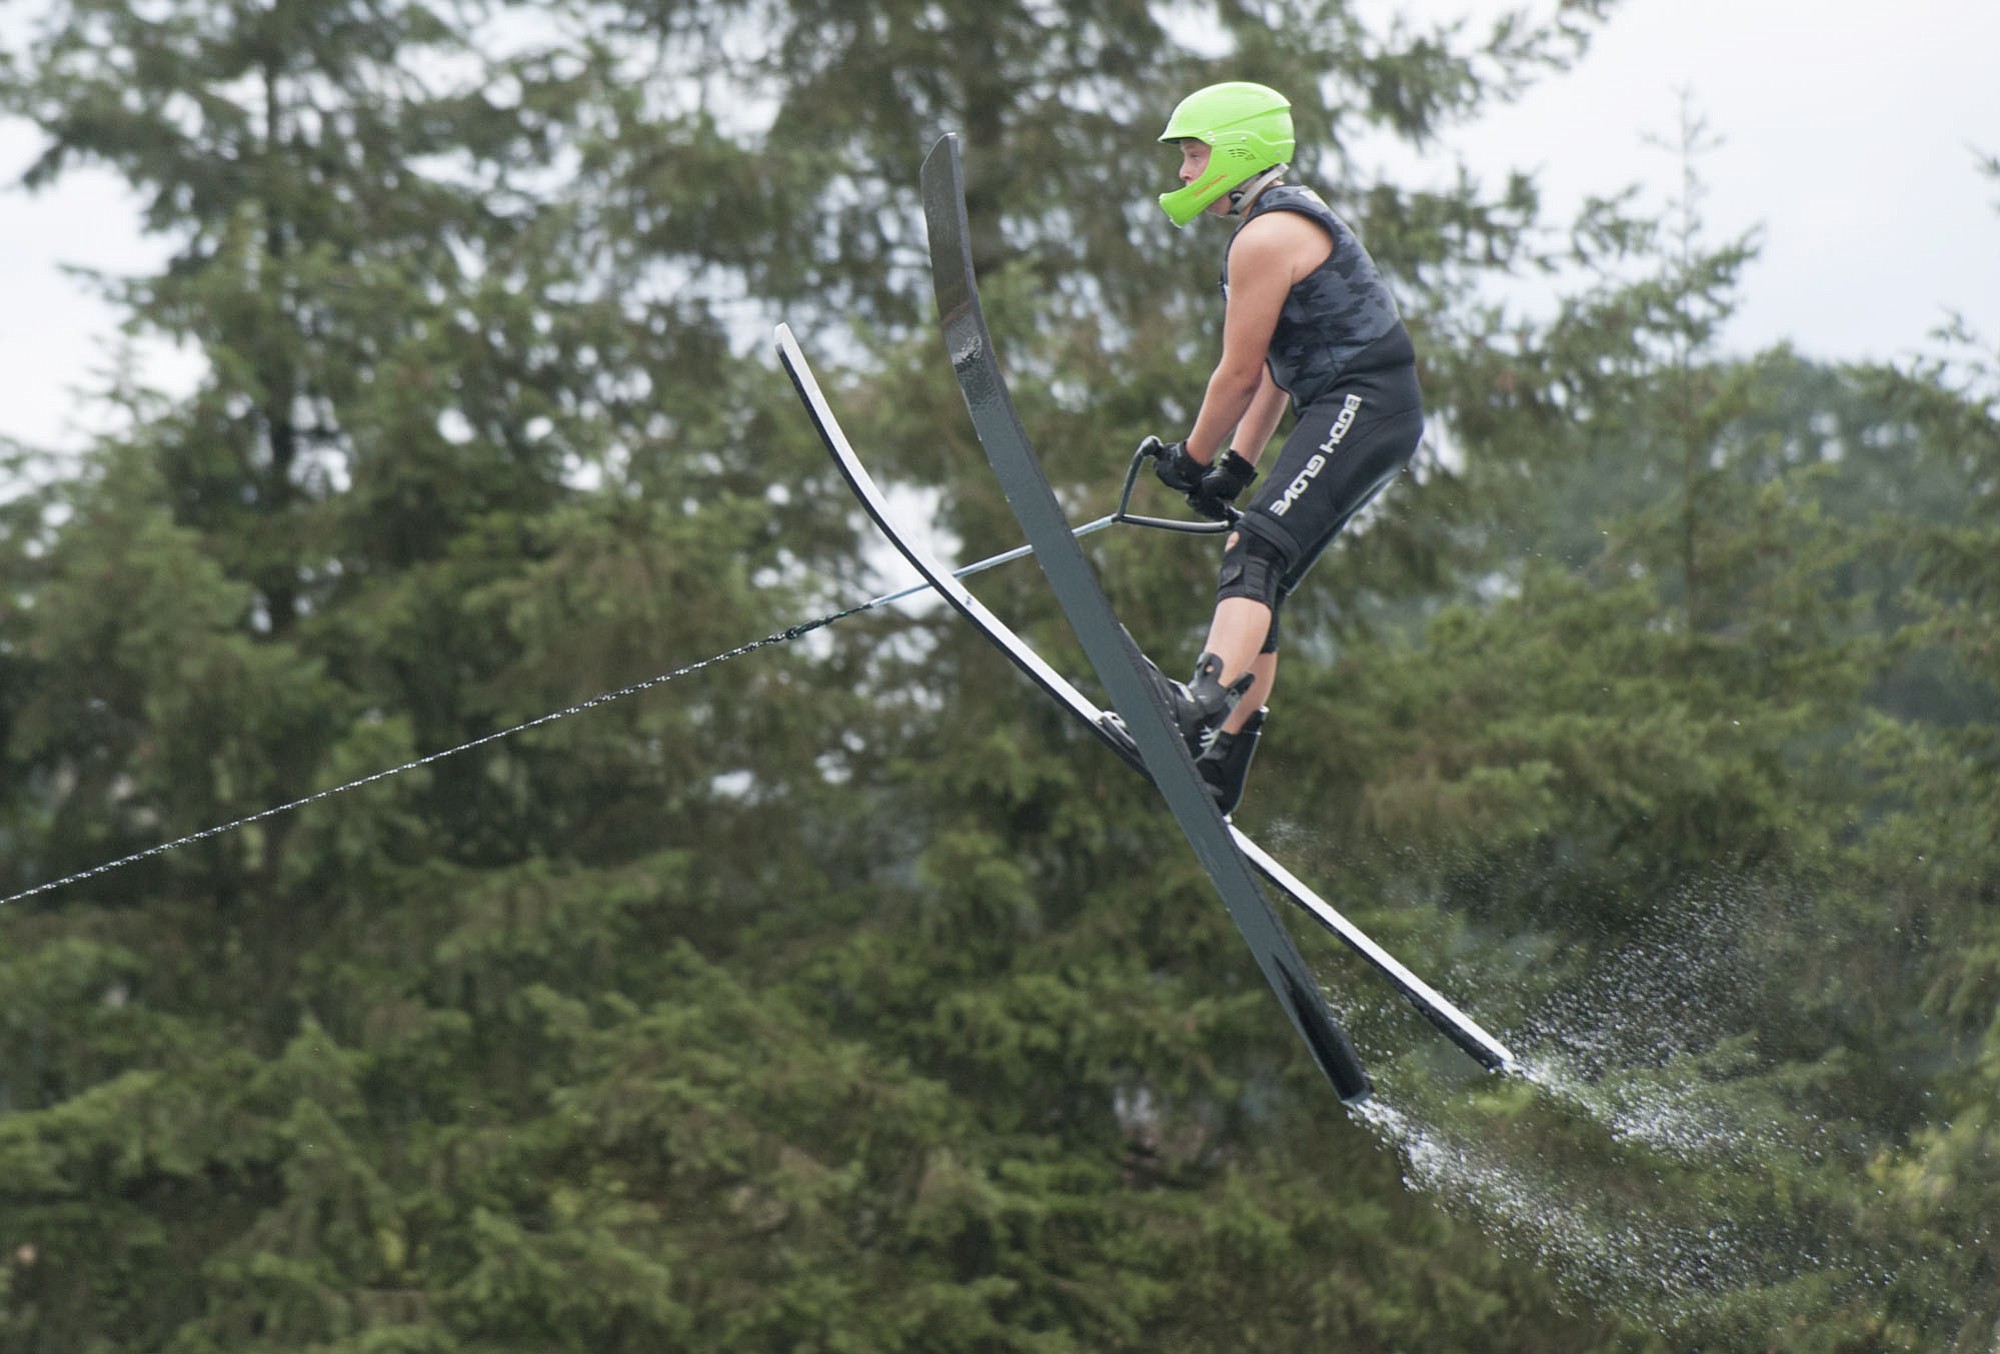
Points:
[(941, 164)]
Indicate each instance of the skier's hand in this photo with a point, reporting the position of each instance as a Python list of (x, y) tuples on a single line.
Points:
[(1176, 469), (1229, 476)]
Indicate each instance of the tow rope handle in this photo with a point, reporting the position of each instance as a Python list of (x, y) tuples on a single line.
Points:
[(1194, 528)]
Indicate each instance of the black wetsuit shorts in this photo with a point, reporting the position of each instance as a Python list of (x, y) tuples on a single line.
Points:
[(1345, 447)]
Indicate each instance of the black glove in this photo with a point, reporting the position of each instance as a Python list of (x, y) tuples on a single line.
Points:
[(1229, 476), (1176, 469)]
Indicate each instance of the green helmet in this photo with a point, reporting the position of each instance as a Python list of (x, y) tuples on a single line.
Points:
[(1248, 129)]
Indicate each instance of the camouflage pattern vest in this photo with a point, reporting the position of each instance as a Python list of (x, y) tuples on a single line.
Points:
[(1339, 320)]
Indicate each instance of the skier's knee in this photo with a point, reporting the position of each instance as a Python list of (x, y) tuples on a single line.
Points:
[(1252, 567)]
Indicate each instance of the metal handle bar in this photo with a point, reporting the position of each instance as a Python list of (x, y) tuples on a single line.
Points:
[(1162, 523), (1109, 519)]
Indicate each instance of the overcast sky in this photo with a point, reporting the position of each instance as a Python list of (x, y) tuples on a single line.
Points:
[(1850, 135)]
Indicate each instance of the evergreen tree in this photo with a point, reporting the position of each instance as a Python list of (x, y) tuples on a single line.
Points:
[(842, 997), (448, 467), (1937, 851)]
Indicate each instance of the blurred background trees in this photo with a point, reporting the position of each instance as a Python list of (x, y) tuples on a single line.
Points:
[(838, 996)]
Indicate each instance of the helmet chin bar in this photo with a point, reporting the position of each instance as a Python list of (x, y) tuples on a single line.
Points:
[(1184, 205)]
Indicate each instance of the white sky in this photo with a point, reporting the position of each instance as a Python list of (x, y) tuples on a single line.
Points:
[(1849, 134)]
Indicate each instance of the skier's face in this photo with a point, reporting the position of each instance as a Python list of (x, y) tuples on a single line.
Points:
[(1194, 159), (1194, 163)]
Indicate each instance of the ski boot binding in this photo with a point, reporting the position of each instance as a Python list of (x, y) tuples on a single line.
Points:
[(1198, 706)]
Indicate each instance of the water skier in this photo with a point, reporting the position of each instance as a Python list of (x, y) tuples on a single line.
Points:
[(1308, 323)]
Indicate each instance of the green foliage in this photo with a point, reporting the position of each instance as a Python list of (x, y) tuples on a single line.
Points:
[(842, 997)]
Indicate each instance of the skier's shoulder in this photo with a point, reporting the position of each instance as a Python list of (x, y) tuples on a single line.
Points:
[(1284, 236)]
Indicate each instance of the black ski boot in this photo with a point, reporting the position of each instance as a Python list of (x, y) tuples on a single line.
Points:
[(1198, 706), (1225, 763)]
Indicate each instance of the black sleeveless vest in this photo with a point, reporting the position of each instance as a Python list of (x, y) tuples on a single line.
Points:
[(1339, 320)]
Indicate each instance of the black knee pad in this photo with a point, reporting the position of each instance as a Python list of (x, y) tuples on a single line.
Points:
[(1254, 567)]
